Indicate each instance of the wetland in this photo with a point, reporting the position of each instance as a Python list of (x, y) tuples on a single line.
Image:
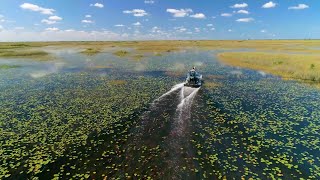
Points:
[(109, 110)]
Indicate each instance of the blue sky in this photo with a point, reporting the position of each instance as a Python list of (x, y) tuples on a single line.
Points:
[(50, 20)]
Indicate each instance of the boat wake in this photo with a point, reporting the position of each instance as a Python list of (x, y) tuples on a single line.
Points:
[(166, 125), (187, 95)]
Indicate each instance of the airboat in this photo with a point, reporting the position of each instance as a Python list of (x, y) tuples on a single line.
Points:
[(194, 79)]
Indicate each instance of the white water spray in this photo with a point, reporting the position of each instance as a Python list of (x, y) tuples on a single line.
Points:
[(183, 110), (174, 88)]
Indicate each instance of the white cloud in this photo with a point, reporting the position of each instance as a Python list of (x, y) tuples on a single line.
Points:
[(263, 31), (52, 29), (269, 5), (212, 29), (197, 29), (75, 35), (88, 16), (209, 25), (299, 7), (137, 24), (1, 18), (226, 14), (245, 20), (70, 30), (179, 12), (180, 29), (229, 30), (98, 5), (48, 21), (119, 25), (136, 12), (36, 8), (243, 5), (87, 21), (198, 16), (19, 28), (156, 29), (243, 12), (55, 18), (1, 28), (149, 2)]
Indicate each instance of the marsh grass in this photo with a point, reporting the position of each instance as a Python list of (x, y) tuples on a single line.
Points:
[(161, 47), (211, 85), (10, 53), (100, 67), (91, 51), (24, 53), (138, 57), (288, 66), (121, 53), (175, 73), (4, 66)]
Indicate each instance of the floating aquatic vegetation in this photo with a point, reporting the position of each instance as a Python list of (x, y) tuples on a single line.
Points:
[(258, 129), (108, 122)]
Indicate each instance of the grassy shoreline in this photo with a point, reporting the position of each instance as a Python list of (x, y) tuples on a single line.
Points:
[(289, 66), (163, 46)]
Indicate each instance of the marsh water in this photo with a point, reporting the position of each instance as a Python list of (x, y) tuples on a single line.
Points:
[(101, 116)]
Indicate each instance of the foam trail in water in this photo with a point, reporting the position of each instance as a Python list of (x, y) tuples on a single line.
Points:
[(182, 94), (184, 108), (174, 88)]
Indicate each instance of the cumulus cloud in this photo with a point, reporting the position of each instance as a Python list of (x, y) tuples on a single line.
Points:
[(98, 5), (198, 16), (156, 29), (263, 31), (137, 24), (243, 12), (136, 12), (226, 15), (36, 8), (245, 20), (19, 28), (299, 7), (269, 5), (149, 2), (1, 18), (87, 21), (119, 25), (242, 5), (76, 35), (55, 18), (46, 21), (179, 12), (52, 29), (88, 16), (209, 25), (180, 29)]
